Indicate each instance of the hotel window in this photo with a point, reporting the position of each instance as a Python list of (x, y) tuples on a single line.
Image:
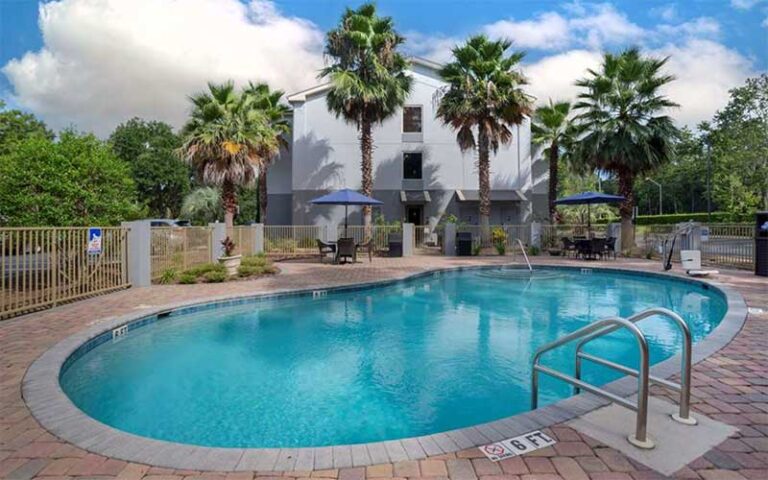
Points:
[(412, 119), (412, 166)]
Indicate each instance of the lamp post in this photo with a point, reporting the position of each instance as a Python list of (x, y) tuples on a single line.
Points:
[(661, 210)]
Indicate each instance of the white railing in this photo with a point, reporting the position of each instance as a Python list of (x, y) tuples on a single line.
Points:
[(179, 248), (292, 240), (379, 233), (41, 267), (730, 245)]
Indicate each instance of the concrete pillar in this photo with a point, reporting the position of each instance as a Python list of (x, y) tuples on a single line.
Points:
[(409, 239), (690, 238), (449, 240), (139, 252), (614, 230), (536, 234), (258, 238), (218, 233)]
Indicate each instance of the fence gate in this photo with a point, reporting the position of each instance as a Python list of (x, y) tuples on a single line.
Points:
[(42, 267)]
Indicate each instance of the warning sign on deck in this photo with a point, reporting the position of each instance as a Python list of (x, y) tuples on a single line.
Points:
[(517, 446)]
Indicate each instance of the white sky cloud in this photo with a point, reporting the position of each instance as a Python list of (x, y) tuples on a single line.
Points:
[(106, 61), (744, 4), (549, 31)]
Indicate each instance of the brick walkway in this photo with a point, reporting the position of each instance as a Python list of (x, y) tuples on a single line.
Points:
[(730, 386)]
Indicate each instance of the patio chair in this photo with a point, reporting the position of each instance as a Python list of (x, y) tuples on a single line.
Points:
[(366, 246), (610, 246), (569, 246), (597, 247), (325, 249), (345, 248)]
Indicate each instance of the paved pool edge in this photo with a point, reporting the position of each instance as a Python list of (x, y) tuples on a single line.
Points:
[(56, 413)]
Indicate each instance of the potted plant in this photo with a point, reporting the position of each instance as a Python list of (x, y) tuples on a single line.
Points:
[(230, 262), (553, 248), (499, 240)]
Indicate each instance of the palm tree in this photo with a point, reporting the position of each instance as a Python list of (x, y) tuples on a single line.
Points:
[(278, 116), (623, 128), (368, 79), (552, 130), (224, 140), (482, 100)]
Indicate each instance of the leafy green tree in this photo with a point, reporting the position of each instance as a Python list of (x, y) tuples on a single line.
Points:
[(368, 79), (739, 141), (553, 132), (77, 180), (483, 99), (278, 116), (202, 206), (683, 179), (16, 126), (224, 141), (162, 179), (624, 130)]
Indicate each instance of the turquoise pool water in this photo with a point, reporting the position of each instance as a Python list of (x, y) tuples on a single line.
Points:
[(422, 356)]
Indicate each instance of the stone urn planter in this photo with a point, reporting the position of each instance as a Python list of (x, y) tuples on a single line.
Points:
[(231, 264), (555, 252), (229, 261)]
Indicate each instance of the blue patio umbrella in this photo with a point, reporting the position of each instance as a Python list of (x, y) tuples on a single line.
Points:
[(589, 198), (345, 197)]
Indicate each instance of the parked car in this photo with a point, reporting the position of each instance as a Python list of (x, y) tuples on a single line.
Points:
[(168, 222)]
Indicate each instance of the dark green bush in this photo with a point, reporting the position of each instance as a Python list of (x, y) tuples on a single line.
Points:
[(168, 276), (187, 278), (215, 276), (717, 217)]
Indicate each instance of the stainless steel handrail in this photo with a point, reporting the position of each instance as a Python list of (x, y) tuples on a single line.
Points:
[(684, 387), (640, 438), (525, 255)]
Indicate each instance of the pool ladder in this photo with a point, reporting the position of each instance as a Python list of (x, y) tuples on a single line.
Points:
[(525, 255), (601, 328)]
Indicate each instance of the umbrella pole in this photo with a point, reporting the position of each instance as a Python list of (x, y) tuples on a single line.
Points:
[(589, 220), (346, 216)]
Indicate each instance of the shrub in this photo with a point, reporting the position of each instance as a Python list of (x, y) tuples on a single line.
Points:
[(168, 276), (215, 276), (201, 270), (187, 278), (229, 246), (533, 250), (254, 261), (476, 249), (499, 240), (717, 217)]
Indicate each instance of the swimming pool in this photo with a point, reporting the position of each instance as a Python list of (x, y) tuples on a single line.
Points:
[(421, 356)]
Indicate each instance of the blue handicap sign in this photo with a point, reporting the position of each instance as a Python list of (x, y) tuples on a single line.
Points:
[(94, 241)]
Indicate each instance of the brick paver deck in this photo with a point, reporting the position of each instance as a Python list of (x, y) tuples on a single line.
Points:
[(730, 386)]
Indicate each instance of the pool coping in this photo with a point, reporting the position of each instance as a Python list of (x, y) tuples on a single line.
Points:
[(54, 410)]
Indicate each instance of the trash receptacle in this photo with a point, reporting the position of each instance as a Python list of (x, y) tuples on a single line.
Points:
[(463, 244), (761, 244), (395, 241)]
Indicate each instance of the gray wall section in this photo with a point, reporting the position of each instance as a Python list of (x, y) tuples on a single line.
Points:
[(442, 202), (279, 208)]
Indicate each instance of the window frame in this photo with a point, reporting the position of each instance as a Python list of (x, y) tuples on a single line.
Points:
[(421, 166), (421, 118)]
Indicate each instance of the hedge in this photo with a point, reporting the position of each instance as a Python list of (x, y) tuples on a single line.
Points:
[(717, 217)]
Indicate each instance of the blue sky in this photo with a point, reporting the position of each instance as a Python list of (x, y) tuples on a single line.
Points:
[(94, 63)]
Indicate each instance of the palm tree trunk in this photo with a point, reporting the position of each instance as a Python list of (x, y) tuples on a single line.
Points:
[(366, 150), (626, 189), (484, 181), (262, 186), (229, 202), (553, 159)]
